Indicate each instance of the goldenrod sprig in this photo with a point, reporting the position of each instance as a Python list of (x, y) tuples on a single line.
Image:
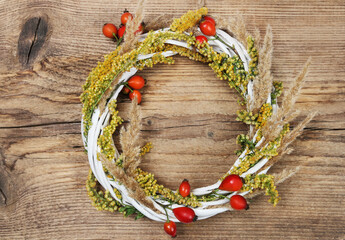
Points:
[(262, 182)]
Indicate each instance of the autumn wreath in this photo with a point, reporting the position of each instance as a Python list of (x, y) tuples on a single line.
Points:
[(115, 180)]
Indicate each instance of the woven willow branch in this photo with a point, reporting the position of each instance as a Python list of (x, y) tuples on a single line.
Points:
[(101, 119)]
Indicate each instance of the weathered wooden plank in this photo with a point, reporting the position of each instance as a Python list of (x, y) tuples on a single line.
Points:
[(189, 115), (48, 195)]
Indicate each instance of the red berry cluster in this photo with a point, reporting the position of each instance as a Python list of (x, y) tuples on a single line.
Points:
[(110, 30), (183, 214), (233, 183), (208, 27), (134, 84)]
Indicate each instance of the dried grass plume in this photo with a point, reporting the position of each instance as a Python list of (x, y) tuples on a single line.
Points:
[(234, 25), (134, 188), (287, 112), (130, 138), (159, 22), (263, 82), (130, 37)]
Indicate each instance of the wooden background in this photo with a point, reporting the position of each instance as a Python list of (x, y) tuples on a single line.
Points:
[(47, 48)]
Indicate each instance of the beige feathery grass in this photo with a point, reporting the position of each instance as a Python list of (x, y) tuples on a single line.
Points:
[(130, 138), (257, 37), (287, 112), (273, 160), (263, 82), (292, 135), (201, 3), (291, 95), (223, 22), (130, 40), (288, 139), (235, 26), (159, 22), (285, 174), (239, 29), (130, 37), (135, 191)]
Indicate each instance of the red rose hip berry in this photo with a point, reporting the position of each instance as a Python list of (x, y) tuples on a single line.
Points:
[(231, 183), (136, 82), (140, 29), (125, 17), (201, 39), (121, 31), (238, 202), (125, 90), (184, 188), (170, 228), (185, 214), (134, 94), (109, 30), (207, 28), (208, 18)]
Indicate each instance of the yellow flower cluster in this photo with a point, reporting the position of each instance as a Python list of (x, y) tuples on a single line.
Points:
[(102, 80), (262, 181), (258, 119), (227, 68), (105, 141), (264, 113), (156, 58), (188, 20), (92, 89), (247, 117), (254, 55), (148, 182), (278, 89), (193, 55), (100, 199), (245, 142), (257, 154), (155, 41), (145, 149)]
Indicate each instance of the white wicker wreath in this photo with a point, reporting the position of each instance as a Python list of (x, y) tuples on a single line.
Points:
[(99, 121)]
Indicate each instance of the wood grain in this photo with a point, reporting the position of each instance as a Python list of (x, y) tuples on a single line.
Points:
[(189, 115)]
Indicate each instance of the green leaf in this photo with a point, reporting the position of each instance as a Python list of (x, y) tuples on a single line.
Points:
[(139, 215), (122, 209), (130, 211)]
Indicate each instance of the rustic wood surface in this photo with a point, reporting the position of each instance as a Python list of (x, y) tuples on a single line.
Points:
[(47, 49)]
